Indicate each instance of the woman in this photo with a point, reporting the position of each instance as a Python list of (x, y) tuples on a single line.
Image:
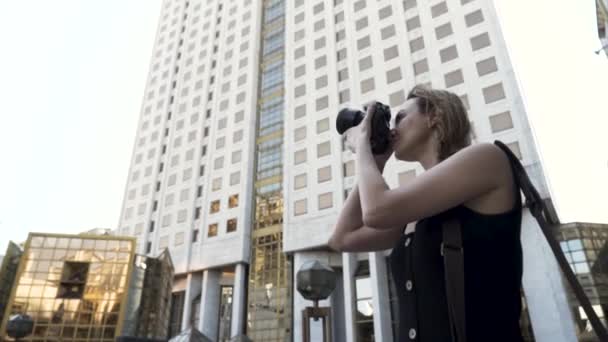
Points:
[(472, 183)]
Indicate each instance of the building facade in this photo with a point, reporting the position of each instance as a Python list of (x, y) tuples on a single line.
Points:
[(86, 288), (237, 169)]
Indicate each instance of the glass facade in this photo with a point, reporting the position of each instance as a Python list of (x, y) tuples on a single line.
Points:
[(73, 287), (149, 303), (269, 298), (8, 273), (225, 313), (364, 318), (586, 249)]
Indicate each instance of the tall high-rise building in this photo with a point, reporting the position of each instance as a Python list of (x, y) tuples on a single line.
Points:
[(237, 168)]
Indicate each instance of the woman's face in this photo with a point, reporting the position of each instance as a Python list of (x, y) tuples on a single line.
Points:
[(411, 132)]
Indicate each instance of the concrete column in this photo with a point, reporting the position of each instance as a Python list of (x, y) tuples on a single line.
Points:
[(210, 304), (193, 288), (349, 267), (337, 309), (299, 303), (550, 314), (380, 297), (238, 301)]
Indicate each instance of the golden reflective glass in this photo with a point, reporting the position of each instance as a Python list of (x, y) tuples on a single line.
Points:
[(97, 280)]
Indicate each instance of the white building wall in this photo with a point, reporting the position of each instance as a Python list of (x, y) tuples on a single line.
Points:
[(202, 48)]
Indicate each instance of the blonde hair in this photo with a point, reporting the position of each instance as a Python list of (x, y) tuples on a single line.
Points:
[(453, 126)]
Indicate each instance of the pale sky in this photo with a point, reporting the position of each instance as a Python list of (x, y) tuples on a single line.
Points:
[(72, 77)]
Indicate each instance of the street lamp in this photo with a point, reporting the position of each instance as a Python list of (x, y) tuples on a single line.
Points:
[(316, 282), (19, 326)]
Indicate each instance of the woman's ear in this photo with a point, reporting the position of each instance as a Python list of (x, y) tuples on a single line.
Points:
[(431, 120)]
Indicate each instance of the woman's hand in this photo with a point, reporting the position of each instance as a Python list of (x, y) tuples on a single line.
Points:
[(365, 134)]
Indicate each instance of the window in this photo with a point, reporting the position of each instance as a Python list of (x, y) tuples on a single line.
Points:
[(340, 35), (349, 168), (493, 93), (344, 96), (393, 75), (321, 82), (322, 103), (365, 311), (324, 174), (390, 53), (396, 98), (363, 43), (453, 78), (231, 225), (299, 181), (364, 63), (300, 207), (359, 5), (412, 23), (443, 31), (233, 201), (322, 125), (500, 122), (416, 44), (325, 200), (465, 101), (339, 17), (448, 54), (299, 157), (216, 184), (319, 25), (341, 54), (439, 9), (368, 85), (385, 12), (421, 67), (300, 91), (299, 134), (320, 62), (73, 280), (409, 4), (218, 163), (235, 178), (179, 239), (319, 43), (236, 156), (387, 32), (361, 23), (342, 75), (212, 230), (480, 41), (486, 66), (323, 149), (299, 52), (214, 207), (300, 111), (195, 235), (473, 18), (514, 147)]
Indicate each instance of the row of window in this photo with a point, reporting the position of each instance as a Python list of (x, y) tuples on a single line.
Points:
[(212, 231)]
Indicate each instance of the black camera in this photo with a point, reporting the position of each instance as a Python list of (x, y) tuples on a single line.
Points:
[(348, 119)]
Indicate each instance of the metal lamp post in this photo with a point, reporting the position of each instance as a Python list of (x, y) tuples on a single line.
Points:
[(316, 282)]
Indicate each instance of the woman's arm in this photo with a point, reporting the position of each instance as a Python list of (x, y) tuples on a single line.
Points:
[(468, 174), (350, 235)]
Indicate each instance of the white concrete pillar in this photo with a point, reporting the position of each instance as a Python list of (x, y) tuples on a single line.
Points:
[(193, 288), (299, 303), (380, 297), (550, 314), (210, 304), (349, 267), (238, 301)]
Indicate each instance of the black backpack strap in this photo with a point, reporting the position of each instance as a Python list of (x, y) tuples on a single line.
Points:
[(539, 210), (453, 263)]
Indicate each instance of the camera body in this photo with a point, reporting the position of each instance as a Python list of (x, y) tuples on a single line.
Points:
[(349, 118)]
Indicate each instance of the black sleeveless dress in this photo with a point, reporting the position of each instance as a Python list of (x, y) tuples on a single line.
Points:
[(493, 271)]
